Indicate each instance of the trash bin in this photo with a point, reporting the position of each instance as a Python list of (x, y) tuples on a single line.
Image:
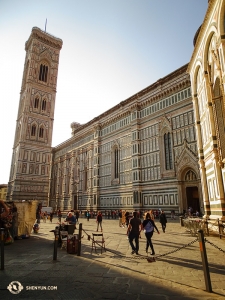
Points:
[(70, 228), (72, 244)]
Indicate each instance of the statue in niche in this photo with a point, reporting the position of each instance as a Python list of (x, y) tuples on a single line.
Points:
[(37, 170), (31, 169), (24, 169)]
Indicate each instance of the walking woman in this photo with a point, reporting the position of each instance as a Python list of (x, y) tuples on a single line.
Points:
[(148, 227), (99, 220)]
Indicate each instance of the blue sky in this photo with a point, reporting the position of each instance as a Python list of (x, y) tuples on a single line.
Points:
[(111, 50)]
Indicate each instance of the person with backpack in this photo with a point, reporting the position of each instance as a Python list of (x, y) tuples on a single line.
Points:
[(148, 226), (99, 220)]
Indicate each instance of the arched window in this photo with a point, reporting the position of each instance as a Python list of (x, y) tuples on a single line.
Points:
[(168, 151), (43, 73), (41, 132), (219, 115), (33, 130), (43, 107), (36, 102)]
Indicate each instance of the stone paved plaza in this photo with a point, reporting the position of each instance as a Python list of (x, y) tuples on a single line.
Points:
[(114, 274)]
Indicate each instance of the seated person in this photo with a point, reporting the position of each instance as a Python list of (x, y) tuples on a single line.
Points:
[(71, 219)]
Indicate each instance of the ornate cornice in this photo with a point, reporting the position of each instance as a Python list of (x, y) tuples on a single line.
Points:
[(44, 37)]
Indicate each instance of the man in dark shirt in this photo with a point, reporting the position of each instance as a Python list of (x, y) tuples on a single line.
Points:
[(133, 231)]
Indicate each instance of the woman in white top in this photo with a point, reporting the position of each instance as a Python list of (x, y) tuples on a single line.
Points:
[(148, 227)]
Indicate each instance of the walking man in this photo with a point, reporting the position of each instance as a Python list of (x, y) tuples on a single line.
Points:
[(133, 232), (163, 220)]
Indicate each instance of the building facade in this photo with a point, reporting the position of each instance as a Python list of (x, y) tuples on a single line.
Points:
[(140, 154), (30, 166), (207, 73)]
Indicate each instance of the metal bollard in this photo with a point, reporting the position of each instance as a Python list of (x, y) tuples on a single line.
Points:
[(79, 239), (181, 221), (2, 247), (204, 261), (56, 243)]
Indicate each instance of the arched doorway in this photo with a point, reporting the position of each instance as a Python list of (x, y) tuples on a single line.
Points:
[(193, 198), (192, 191)]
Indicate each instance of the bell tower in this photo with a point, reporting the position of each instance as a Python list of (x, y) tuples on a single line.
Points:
[(30, 166)]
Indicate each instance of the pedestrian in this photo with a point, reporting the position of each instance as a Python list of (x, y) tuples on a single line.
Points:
[(77, 216), (99, 220), (152, 214), (44, 217), (173, 214), (133, 231), (127, 217), (88, 215), (51, 216), (148, 227), (59, 215), (120, 218), (163, 220)]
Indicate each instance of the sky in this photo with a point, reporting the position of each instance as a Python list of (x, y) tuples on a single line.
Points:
[(111, 50)]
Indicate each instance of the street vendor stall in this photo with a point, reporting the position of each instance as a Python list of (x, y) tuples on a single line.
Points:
[(19, 219)]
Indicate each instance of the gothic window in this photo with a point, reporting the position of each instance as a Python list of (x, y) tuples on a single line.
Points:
[(33, 130), (36, 102), (43, 106), (41, 132), (43, 73), (116, 162), (85, 179), (168, 151)]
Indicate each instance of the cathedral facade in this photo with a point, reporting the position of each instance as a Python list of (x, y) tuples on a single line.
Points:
[(140, 154), (162, 148), (207, 72)]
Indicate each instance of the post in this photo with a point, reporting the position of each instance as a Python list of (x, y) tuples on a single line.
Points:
[(56, 243), (181, 221), (2, 247), (204, 261), (79, 239)]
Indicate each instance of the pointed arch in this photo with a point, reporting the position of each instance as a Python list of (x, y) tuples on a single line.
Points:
[(115, 159), (166, 142), (36, 102), (41, 131), (43, 71), (43, 105), (219, 117), (33, 130)]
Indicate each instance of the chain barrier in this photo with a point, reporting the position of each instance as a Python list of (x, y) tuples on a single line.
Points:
[(215, 246), (177, 249), (139, 257)]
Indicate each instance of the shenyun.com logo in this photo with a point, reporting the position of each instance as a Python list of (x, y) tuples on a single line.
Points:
[(15, 287)]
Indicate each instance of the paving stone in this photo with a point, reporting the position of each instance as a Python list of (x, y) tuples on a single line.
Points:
[(114, 274)]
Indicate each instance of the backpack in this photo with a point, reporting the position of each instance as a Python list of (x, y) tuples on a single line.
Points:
[(149, 227)]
